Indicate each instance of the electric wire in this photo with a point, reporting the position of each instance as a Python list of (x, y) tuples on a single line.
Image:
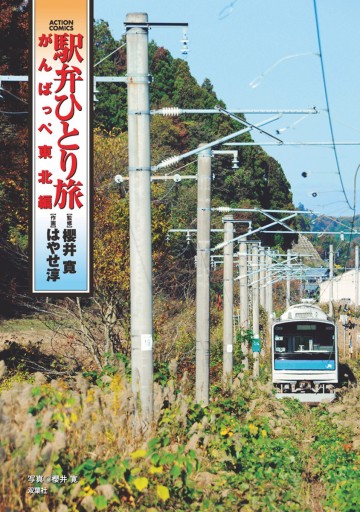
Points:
[(323, 110), (333, 219), (13, 95), (257, 81), (174, 185), (165, 195), (324, 205), (328, 103), (352, 223), (102, 60), (12, 113), (353, 219), (227, 10)]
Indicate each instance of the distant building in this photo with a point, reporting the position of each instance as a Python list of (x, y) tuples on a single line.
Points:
[(343, 288), (313, 277), (306, 249), (315, 270)]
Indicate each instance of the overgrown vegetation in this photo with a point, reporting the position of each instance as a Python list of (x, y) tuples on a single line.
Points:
[(83, 442)]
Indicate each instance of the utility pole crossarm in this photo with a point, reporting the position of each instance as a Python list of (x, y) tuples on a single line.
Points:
[(315, 232), (279, 221), (355, 143), (129, 25), (246, 123), (176, 111), (110, 79), (14, 78), (175, 159), (226, 209), (263, 228)]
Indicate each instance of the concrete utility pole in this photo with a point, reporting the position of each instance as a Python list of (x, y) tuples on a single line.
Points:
[(244, 298), (288, 279), (269, 296), (203, 278), (228, 300), (331, 282), (255, 305), (356, 278), (140, 213), (262, 278)]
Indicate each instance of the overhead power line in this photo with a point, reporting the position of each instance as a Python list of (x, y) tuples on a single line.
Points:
[(12, 113), (109, 55), (328, 104)]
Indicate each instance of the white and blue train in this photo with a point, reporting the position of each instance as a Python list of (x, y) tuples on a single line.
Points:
[(305, 354)]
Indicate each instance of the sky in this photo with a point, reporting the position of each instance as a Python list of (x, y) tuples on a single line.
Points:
[(234, 42)]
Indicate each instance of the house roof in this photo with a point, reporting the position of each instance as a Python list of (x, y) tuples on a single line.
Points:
[(304, 246)]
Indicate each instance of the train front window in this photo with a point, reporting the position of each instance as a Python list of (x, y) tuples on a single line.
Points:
[(281, 344), (324, 345), (294, 337), (302, 343)]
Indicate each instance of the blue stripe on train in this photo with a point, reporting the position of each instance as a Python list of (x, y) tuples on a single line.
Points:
[(286, 364)]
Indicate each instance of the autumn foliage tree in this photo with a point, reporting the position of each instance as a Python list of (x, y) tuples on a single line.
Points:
[(14, 161), (13, 121)]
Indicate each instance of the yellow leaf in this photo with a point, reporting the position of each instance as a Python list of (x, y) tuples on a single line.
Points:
[(153, 470), (117, 383), (141, 483), (139, 454), (162, 492), (253, 429), (66, 422), (226, 432), (90, 396), (89, 491), (74, 417)]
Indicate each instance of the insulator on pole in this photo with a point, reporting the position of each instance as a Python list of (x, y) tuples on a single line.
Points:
[(171, 111), (168, 162), (223, 209)]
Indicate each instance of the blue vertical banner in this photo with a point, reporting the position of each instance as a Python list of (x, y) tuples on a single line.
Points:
[(61, 147)]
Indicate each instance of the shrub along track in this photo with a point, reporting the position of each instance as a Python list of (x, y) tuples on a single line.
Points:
[(309, 459), (245, 452), (328, 439)]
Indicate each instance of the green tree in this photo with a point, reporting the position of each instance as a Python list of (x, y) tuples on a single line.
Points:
[(161, 67), (110, 107)]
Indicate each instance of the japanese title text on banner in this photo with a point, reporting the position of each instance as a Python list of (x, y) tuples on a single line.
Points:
[(61, 147)]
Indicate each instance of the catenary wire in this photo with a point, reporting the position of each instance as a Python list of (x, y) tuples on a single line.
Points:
[(109, 55), (13, 95), (328, 103), (12, 113)]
